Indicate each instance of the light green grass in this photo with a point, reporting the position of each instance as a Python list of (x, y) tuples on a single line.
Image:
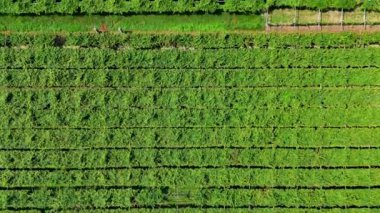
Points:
[(181, 23)]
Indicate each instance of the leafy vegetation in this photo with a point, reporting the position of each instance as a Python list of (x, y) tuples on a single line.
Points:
[(122, 7), (96, 122), (188, 178), (175, 23), (319, 78), (94, 58), (188, 138), (207, 157), (189, 40), (192, 98), (171, 6), (102, 198)]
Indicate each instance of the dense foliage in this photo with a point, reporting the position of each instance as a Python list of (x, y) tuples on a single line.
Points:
[(184, 123), (172, 6), (176, 58), (244, 138), (197, 40), (190, 78)]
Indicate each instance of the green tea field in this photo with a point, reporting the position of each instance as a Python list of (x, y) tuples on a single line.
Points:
[(185, 119), (239, 121)]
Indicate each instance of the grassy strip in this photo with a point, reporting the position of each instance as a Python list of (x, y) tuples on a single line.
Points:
[(199, 118), (173, 23), (199, 40), (109, 138), (210, 98), (189, 78), (194, 157), (232, 58), (71, 198), (192, 178)]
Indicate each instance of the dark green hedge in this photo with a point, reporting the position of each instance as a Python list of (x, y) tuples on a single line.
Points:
[(198, 59), (128, 6), (171, 6), (198, 41)]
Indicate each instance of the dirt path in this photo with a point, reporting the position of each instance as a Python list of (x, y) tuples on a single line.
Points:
[(326, 28)]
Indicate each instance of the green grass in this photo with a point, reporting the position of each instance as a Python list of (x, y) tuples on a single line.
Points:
[(174, 23)]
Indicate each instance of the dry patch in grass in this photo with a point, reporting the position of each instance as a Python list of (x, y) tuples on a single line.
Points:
[(328, 28), (355, 17), (310, 17), (373, 17), (289, 17), (282, 17), (331, 17)]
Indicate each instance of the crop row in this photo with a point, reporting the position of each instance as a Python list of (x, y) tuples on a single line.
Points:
[(192, 178), (182, 40), (171, 137), (217, 98), (127, 7), (170, 6), (97, 198), (189, 77), (193, 157), (231, 58), (219, 209), (106, 118), (201, 209)]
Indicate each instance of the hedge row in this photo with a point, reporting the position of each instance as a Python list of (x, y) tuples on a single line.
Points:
[(192, 178), (127, 7), (192, 118), (170, 6), (175, 137), (174, 209), (199, 41), (219, 98), (137, 158), (189, 78), (231, 58), (118, 198)]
